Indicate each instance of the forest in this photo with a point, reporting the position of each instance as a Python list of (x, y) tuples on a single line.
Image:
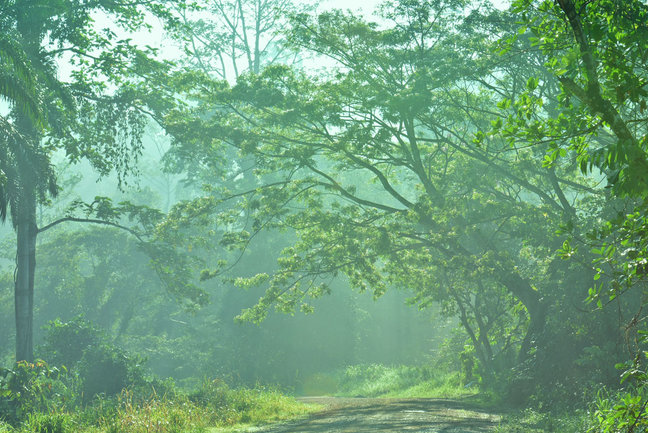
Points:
[(251, 215)]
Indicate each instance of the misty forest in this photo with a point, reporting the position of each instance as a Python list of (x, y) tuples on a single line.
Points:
[(301, 216)]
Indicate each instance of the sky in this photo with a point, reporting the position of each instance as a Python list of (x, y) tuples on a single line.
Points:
[(156, 38)]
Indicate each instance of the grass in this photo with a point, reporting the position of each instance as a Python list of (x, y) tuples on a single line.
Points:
[(216, 408), (212, 408), (375, 380), (531, 421)]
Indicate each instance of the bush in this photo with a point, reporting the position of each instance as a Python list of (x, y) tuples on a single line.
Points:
[(106, 369), (65, 342), (30, 387), (101, 366), (372, 380), (621, 411)]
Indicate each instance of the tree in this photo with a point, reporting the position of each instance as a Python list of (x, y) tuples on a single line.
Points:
[(80, 115), (237, 36), (596, 52), (227, 39), (381, 170)]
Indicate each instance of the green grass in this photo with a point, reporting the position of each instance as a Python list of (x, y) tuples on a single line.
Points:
[(531, 421), (375, 380), (212, 408), (425, 382)]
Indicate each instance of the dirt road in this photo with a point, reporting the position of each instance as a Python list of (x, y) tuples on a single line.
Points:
[(365, 415)]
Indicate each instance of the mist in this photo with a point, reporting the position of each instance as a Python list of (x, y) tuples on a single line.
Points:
[(224, 214)]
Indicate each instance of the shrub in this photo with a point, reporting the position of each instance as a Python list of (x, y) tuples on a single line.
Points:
[(370, 380), (621, 411), (30, 387), (106, 369), (214, 394), (101, 366), (65, 342)]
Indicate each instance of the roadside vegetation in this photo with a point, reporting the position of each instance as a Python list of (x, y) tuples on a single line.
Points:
[(404, 381), (39, 399), (533, 421), (590, 412)]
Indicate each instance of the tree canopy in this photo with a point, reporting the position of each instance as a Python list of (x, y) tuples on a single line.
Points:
[(396, 169)]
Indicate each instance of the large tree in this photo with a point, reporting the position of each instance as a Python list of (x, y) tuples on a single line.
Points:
[(382, 171), (597, 52)]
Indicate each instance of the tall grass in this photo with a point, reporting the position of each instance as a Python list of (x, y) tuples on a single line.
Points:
[(136, 411), (375, 380)]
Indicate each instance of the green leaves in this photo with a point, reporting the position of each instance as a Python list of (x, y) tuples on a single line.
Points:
[(603, 77), (395, 170), (532, 84)]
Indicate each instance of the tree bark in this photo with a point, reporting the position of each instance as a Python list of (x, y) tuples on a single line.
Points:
[(535, 305), (32, 32), (24, 279)]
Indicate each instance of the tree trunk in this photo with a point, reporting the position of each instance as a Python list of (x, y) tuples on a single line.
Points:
[(535, 305), (31, 30), (24, 280)]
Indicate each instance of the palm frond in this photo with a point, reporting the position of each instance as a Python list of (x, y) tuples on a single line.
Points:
[(22, 98), (13, 56)]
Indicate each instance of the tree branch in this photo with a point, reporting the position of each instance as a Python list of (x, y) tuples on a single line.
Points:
[(91, 221)]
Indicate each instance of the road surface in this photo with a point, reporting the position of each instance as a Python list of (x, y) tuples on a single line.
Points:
[(373, 415)]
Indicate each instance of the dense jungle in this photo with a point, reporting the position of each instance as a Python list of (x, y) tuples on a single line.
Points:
[(303, 216)]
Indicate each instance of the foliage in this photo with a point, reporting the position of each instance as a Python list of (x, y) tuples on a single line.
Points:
[(375, 380), (251, 406), (534, 421), (595, 52), (97, 113), (143, 409), (77, 276), (50, 423), (382, 172), (623, 410), (27, 388), (418, 160), (101, 366), (601, 66), (106, 369), (65, 342)]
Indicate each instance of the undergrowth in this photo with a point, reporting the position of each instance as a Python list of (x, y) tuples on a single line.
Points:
[(375, 380), (137, 411), (532, 421)]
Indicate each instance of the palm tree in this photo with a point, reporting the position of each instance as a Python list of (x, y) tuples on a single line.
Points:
[(25, 171), (79, 116)]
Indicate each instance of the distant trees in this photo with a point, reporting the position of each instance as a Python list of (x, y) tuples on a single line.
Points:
[(225, 39), (231, 37)]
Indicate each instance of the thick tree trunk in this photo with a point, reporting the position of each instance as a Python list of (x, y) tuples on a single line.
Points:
[(24, 281), (536, 308)]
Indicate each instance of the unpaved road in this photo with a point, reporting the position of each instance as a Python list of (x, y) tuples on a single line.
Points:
[(365, 415)]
